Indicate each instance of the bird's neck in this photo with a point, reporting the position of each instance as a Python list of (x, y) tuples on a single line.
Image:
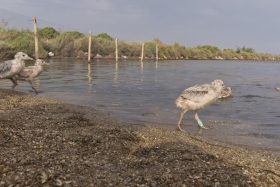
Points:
[(219, 89), (22, 63), (39, 67)]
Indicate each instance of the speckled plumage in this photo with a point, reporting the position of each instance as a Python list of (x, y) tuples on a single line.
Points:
[(226, 92), (10, 68), (31, 72), (197, 97)]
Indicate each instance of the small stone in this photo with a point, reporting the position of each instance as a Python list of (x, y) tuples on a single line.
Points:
[(217, 184), (262, 178), (44, 177), (58, 182), (196, 177)]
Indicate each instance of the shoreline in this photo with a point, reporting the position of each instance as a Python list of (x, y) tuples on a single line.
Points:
[(46, 142), (146, 59)]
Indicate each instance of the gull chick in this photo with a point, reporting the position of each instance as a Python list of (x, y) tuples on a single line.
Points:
[(197, 97), (226, 92), (10, 68), (31, 72)]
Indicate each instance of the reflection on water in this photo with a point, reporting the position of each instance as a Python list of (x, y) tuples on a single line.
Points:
[(116, 72), (89, 77), (144, 92), (156, 64)]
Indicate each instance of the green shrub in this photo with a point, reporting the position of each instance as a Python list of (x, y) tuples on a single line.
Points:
[(20, 40), (73, 44), (104, 36), (73, 34), (47, 32)]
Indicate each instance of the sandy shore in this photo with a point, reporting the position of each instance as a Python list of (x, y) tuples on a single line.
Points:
[(45, 142)]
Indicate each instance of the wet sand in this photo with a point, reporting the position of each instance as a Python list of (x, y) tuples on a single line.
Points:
[(46, 142)]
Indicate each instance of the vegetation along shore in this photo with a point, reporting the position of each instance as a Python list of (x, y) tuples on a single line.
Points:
[(73, 44), (46, 142)]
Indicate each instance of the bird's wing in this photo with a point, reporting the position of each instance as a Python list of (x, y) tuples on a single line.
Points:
[(195, 91), (5, 66), (26, 72)]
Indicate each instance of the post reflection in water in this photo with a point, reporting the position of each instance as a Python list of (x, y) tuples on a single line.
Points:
[(89, 77), (142, 76), (156, 64), (116, 72)]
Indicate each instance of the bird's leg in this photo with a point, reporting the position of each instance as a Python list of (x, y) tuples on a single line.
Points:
[(181, 117), (199, 121), (14, 82), (32, 86)]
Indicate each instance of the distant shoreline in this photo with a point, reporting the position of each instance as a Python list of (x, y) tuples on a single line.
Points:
[(138, 58), (73, 44)]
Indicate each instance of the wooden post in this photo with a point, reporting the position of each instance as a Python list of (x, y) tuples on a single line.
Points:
[(35, 38), (156, 52), (142, 54), (89, 46), (117, 57)]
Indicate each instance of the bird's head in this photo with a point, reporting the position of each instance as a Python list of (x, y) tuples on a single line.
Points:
[(226, 92), (22, 56), (229, 89), (40, 62), (219, 84)]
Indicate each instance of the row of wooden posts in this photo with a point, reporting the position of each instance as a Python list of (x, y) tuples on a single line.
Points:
[(89, 45), (116, 43)]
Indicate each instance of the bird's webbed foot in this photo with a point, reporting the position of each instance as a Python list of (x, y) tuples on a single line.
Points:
[(201, 124), (179, 129)]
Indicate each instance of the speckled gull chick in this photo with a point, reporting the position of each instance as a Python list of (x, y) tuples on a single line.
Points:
[(226, 92), (10, 68), (31, 72), (197, 97)]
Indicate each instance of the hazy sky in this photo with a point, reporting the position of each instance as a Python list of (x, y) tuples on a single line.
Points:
[(221, 23)]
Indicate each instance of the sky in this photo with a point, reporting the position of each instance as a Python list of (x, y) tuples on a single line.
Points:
[(221, 23)]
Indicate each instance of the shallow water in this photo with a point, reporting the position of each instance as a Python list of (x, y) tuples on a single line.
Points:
[(144, 93)]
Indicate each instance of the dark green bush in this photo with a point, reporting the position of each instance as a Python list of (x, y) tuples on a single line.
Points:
[(74, 34), (47, 32), (104, 36)]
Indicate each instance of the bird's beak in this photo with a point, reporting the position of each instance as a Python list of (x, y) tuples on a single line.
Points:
[(29, 58), (46, 63)]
